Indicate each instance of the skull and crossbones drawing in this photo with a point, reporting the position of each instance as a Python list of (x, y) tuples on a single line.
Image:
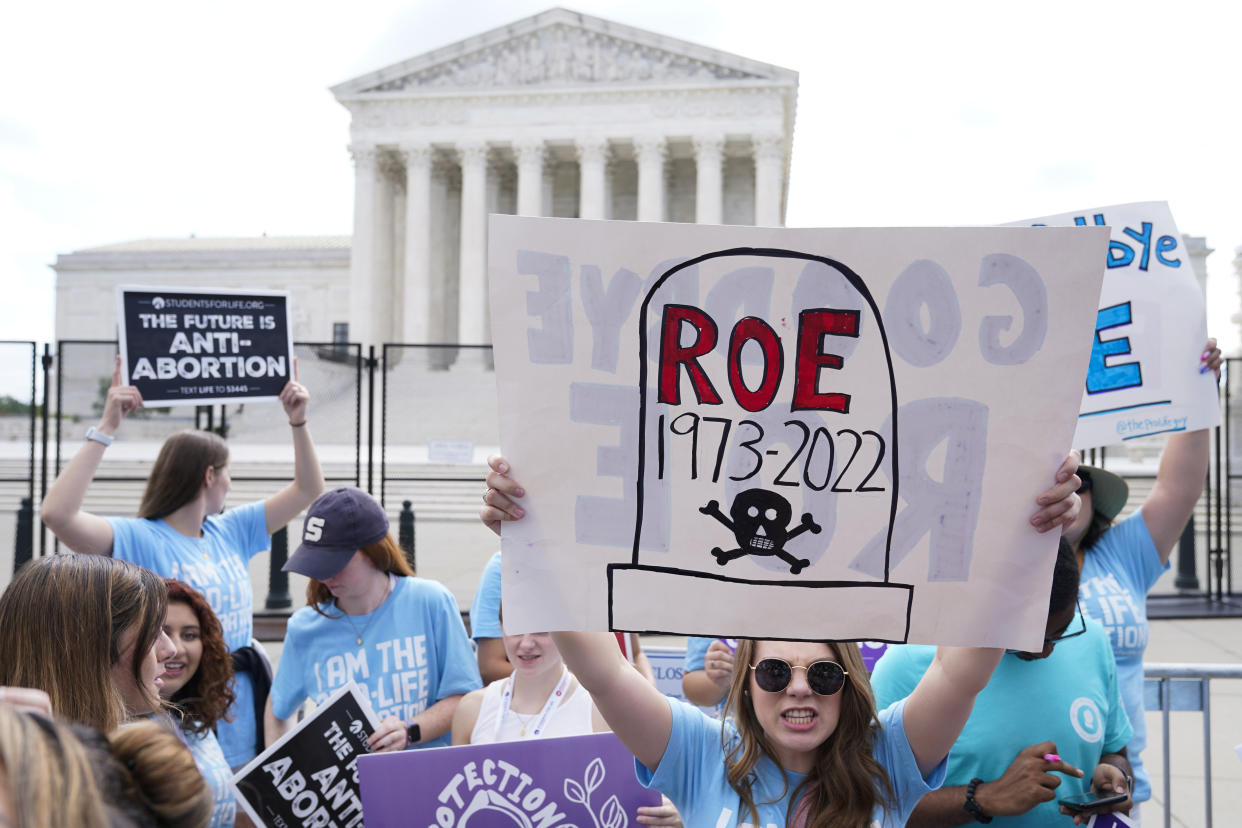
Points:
[(760, 523)]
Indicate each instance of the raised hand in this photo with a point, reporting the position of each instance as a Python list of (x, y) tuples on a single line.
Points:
[(121, 400)]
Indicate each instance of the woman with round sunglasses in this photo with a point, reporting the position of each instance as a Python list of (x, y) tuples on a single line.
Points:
[(1121, 562), (802, 743)]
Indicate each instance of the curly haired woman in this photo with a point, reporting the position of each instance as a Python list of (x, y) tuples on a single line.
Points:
[(198, 681)]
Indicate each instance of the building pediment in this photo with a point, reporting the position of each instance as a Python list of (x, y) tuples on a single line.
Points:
[(559, 48)]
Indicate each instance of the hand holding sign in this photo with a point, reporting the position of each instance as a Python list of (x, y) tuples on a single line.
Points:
[(390, 735), (719, 663), (1211, 359), (295, 398), (498, 504), (121, 400), (1060, 503)]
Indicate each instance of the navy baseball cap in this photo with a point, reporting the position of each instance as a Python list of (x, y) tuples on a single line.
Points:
[(337, 525)]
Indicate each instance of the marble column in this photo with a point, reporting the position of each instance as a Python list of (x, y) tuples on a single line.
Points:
[(709, 177), (650, 152), (592, 183), (362, 256), (769, 156), (530, 177), (416, 314), (472, 262), (385, 267)]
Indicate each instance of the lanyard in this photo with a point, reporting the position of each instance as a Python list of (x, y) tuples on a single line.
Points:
[(550, 705)]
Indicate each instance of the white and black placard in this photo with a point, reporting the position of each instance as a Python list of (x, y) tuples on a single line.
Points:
[(199, 346), (309, 777)]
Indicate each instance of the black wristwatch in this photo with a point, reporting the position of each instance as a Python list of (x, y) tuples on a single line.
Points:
[(970, 806), (413, 733)]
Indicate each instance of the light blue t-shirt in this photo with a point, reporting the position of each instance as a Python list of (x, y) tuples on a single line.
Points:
[(217, 565), (1117, 573), (485, 608), (692, 773), (696, 652), (415, 652), (218, 775), (1070, 698)]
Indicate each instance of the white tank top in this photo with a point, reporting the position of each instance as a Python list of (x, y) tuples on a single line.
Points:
[(572, 717)]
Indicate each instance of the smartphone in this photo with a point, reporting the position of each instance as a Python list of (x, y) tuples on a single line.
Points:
[(1091, 800)]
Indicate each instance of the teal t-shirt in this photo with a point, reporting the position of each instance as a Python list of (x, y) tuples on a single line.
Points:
[(1070, 698)]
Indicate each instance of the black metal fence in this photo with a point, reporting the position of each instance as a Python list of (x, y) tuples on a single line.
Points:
[(429, 452)]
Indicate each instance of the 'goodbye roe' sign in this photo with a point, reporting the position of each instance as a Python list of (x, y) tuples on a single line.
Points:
[(204, 346), (1150, 330), (773, 433)]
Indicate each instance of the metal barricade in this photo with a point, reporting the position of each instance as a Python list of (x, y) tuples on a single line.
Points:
[(1185, 687)]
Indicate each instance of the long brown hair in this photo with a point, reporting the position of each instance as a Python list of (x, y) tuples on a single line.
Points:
[(148, 777), (47, 772), (206, 698), (385, 555), (846, 782), (177, 476), (64, 619)]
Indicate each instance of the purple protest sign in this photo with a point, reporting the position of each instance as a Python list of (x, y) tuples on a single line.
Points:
[(549, 783), (871, 652)]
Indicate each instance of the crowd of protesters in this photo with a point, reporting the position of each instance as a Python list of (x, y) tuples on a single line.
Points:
[(132, 688)]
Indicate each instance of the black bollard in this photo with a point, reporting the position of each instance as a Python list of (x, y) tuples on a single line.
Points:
[(24, 550), (1187, 577), (405, 531), (278, 596)]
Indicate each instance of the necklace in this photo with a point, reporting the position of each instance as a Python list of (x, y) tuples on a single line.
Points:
[(524, 719), (362, 632)]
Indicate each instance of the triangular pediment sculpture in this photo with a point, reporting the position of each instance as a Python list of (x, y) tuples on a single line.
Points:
[(562, 48)]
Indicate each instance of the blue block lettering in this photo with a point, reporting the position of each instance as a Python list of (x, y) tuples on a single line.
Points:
[(1143, 238), (1102, 377), (1163, 245)]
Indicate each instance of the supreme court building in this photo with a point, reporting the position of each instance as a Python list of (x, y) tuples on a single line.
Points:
[(560, 114)]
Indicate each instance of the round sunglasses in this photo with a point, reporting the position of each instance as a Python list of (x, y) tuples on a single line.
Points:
[(823, 677)]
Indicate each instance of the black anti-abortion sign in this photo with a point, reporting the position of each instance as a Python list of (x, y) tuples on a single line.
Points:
[(204, 346), (310, 776)]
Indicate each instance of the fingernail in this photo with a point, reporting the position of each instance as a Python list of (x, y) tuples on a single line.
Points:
[(519, 491), (502, 468), (519, 511), (1203, 368)]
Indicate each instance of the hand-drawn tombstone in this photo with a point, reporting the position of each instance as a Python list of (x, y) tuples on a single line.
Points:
[(783, 419)]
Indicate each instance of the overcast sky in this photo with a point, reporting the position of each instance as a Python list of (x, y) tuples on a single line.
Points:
[(132, 120)]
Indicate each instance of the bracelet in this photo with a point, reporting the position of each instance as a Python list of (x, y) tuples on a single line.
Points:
[(98, 436), (970, 806), (297, 425)]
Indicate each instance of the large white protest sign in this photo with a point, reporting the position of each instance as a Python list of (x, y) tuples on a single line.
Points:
[(777, 433), (182, 346), (1144, 375)]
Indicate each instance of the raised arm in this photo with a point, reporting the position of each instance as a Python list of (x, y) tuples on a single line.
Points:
[(938, 708), (307, 484), (631, 705), (61, 510), (1180, 478)]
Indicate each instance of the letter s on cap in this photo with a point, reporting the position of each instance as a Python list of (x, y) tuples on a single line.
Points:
[(314, 529)]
